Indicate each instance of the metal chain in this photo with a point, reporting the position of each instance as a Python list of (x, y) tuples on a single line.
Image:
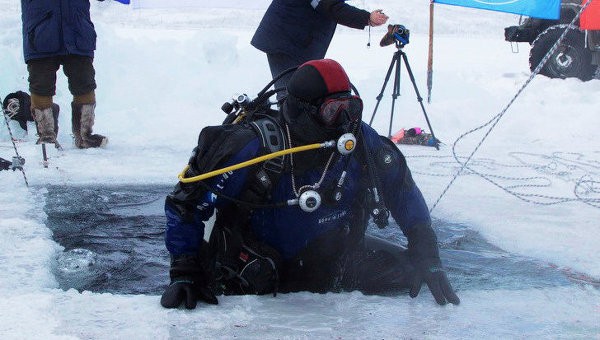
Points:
[(10, 112), (314, 186), (574, 169), (496, 119)]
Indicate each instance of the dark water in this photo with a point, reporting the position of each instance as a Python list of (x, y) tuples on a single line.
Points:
[(474, 263), (113, 240)]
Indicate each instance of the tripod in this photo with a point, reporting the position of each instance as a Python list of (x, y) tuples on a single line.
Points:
[(396, 64)]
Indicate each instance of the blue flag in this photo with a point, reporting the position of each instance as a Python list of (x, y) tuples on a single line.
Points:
[(126, 2), (545, 9)]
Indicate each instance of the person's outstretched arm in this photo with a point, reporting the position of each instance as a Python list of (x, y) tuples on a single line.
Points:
[(347, 15)]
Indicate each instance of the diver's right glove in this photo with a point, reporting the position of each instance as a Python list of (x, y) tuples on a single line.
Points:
[(189, 283), (424, 255)]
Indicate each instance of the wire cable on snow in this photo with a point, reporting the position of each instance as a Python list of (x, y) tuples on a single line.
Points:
[(496, 119)]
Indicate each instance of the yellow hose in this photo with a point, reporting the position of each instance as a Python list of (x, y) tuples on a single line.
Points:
[(217, 172)]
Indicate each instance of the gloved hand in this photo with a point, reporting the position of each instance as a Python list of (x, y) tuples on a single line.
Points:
[(189, 283), (187, 291), (4, 164), (424, 254)]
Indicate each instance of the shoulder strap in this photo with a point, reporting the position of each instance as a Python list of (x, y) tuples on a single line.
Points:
[(262, 178), (272, 139)]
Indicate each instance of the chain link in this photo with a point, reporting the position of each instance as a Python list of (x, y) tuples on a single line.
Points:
[(315, 186)]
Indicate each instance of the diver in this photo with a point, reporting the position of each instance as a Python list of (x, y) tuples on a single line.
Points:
[(298, 221)]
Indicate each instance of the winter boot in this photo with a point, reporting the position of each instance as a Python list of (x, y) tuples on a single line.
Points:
[(46, 121), (82, 123)]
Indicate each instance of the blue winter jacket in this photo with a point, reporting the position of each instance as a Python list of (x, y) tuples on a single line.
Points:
[(57, 27), (304, 28), (289, 229)]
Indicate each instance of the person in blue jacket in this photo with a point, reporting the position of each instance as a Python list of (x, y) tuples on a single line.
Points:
[(299, 224), (61, 33), (292, 32)]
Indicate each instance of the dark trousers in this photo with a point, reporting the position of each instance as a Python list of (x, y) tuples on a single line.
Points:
[(278, 63), (78, 69)]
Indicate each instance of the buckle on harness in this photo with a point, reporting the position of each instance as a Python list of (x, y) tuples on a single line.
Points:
[(275, 165), (272, 139)]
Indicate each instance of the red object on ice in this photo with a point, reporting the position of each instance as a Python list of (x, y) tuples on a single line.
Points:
[(396, 137), (590, 18)]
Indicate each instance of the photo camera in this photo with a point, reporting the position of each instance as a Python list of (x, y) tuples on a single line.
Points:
[(397, 34)]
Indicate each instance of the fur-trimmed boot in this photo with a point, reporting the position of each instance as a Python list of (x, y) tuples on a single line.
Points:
[(46, 122), (82, 123)]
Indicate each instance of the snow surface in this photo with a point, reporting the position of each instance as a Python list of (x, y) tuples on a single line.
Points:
[(163, 74)]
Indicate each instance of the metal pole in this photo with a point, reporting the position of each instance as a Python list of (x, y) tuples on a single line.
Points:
[(430, 54)]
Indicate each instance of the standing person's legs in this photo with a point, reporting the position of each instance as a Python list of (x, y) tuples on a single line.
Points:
[(81, 75), (42, 86), (278, 63)]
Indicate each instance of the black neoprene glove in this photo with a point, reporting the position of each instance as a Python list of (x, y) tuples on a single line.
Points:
[(189, 283), (4, 164), (424, 254)]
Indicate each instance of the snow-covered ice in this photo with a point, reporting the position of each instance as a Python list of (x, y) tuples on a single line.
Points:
[(163, 74)]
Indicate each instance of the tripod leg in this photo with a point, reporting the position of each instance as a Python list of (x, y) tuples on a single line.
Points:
[(387, 77), (396, 91), (412, 79)]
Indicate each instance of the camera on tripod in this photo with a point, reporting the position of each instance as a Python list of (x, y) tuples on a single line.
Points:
[(397, 34)]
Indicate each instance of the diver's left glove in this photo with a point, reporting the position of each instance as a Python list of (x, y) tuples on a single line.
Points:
[(189, 283), (424, 254)]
